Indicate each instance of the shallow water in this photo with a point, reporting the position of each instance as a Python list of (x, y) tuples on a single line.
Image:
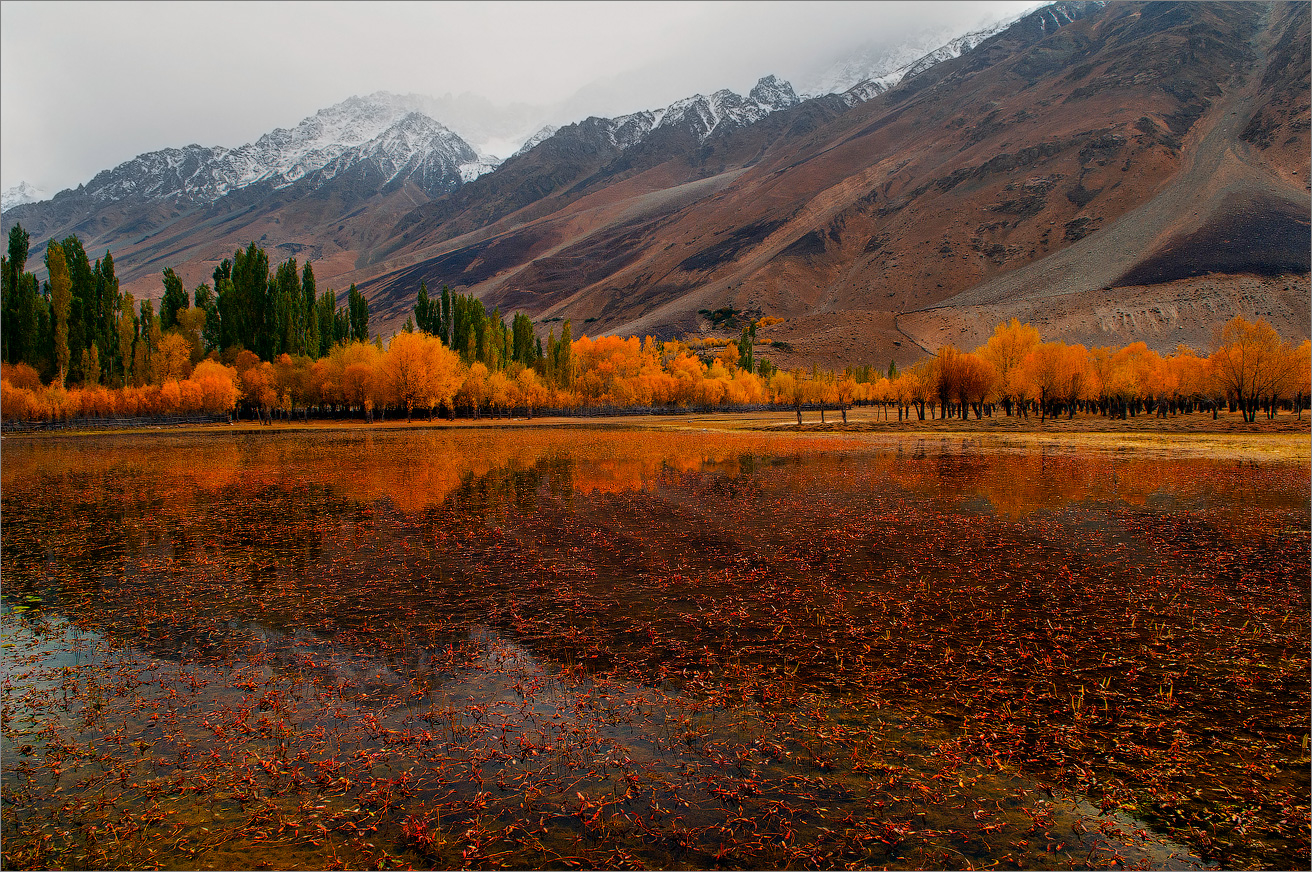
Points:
[(559, 648)]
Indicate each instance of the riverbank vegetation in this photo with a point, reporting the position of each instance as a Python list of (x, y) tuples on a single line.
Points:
[(265, 343)]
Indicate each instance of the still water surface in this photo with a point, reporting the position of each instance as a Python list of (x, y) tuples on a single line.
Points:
[(561, 648)]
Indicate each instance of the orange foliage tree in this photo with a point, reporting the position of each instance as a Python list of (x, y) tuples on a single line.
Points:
[(1252, 365), (420, 371)]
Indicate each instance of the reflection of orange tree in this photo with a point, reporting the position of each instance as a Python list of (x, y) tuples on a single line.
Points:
[(412, 470), (196, 465)]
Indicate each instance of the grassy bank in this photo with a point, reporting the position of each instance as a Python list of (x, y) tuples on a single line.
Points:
[(1286, 438)]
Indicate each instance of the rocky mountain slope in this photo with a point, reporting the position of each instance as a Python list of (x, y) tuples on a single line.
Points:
[(1052, 159)]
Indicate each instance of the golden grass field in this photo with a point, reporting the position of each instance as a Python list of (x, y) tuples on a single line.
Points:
[(1288, 438)]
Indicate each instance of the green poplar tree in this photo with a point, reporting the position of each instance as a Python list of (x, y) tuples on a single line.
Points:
[(358, 313), (18, 315), (327, 316), (444, 325), (566, 356), (173, 301), (285, 327), (107, 318), (745, 343), (61, 298), (308, 317), (422, 309)]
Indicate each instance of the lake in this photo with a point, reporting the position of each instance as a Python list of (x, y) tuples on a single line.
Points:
[(564, 647)]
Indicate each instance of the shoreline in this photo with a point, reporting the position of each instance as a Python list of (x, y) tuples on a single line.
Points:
[(1285, 439)]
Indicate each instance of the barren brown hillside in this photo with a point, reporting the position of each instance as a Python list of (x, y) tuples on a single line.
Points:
[(1042, 164), (1227, 235)]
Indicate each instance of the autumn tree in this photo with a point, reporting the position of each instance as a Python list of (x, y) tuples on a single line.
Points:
[(975, 379), (358, 363), (474, 391), (420, 371), (91, 365), (127, 336), (1005, 350), (530, 391), (1047, 370), (1300, 387), (1250, 363), (172, 360)]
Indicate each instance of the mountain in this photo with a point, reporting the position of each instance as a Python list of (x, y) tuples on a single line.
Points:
[(1110, 172), (205, 197), (1085, 168), (542, 135), (870, 71), (699, 115), (383, 137), (19, 194)]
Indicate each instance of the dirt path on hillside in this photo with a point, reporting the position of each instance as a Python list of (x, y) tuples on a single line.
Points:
[(1216, 169)]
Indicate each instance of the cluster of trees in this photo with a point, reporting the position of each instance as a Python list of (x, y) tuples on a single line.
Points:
[(77, 327), (70, 325), (268, 341), (417, 372), (1250, 370), (273, 312)]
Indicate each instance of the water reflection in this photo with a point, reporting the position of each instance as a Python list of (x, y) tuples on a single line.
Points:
[(580, 647)]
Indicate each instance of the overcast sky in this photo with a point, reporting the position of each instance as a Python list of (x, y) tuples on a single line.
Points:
[(85, 86)]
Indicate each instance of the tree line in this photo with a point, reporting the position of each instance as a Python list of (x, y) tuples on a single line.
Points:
[(1250, 370), (77, 327), (266, 342)]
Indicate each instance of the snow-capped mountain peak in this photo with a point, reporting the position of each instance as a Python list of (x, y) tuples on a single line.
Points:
[(390, 131), (882, 76), (702, 115), (23, 192), (774, 92), (541, 136)]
